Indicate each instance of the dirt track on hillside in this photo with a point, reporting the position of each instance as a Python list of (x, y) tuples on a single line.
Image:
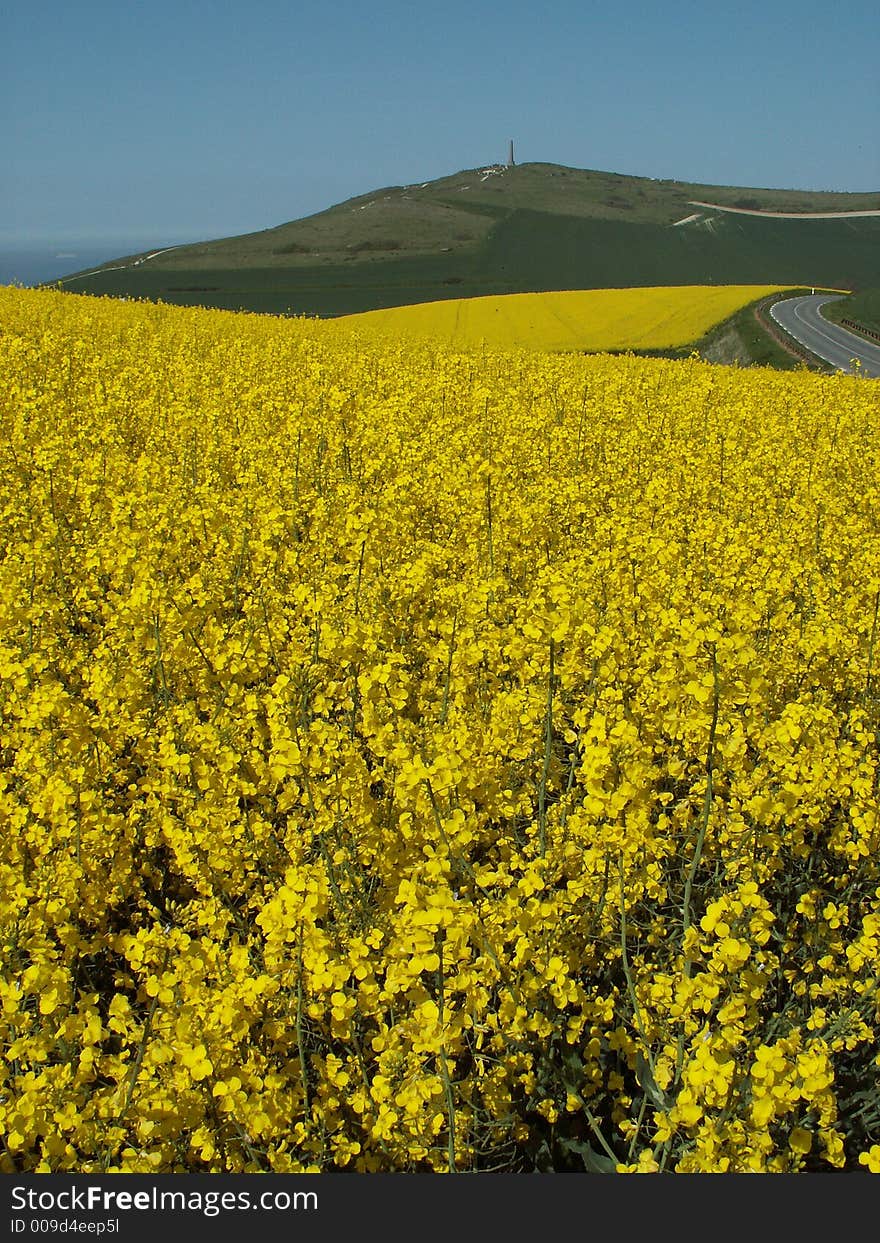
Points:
[(785, 215)]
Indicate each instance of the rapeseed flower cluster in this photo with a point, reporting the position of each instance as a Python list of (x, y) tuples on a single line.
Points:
[(418, 760), (571, 319)]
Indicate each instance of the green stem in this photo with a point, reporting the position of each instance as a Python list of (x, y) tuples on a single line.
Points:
[(444, 1066), (445, 706), (300, 1034), (548, 739), (630, 986), (707, 810)]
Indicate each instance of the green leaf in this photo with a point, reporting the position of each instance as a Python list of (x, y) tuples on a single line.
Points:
[(594, 1162), (648, 1084), (544, 1158)]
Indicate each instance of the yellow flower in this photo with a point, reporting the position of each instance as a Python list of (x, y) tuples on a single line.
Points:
[(871, 1159), (348, 683)]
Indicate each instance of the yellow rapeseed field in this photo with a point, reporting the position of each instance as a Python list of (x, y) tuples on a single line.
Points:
[(418, 760), (580, 319)]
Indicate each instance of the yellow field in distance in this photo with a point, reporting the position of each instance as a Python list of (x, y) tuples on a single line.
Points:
[(577, 319)]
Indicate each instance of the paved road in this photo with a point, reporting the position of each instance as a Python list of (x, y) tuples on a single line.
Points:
[(800, 318)]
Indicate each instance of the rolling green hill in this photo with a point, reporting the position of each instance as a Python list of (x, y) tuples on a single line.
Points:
[(499, 230)]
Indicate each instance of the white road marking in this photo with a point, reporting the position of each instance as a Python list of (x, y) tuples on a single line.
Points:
[(796, 311), (843, 353)]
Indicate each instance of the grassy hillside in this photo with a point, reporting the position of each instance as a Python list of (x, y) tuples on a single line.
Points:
[(458, 212), (493, 231)]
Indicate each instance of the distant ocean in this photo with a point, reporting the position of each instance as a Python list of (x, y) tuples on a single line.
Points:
[(34, 263)]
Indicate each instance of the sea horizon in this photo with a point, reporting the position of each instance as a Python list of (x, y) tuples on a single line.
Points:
[(40, 261)]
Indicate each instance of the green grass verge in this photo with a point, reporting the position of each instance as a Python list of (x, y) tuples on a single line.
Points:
[(749, 338), (859, 308)]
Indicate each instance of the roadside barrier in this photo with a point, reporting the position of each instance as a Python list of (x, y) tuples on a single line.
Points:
[(868, 332)]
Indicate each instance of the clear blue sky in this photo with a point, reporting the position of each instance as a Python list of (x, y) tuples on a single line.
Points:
[(204, 118)]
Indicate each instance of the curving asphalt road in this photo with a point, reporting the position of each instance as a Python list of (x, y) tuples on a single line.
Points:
[(801, 319)]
